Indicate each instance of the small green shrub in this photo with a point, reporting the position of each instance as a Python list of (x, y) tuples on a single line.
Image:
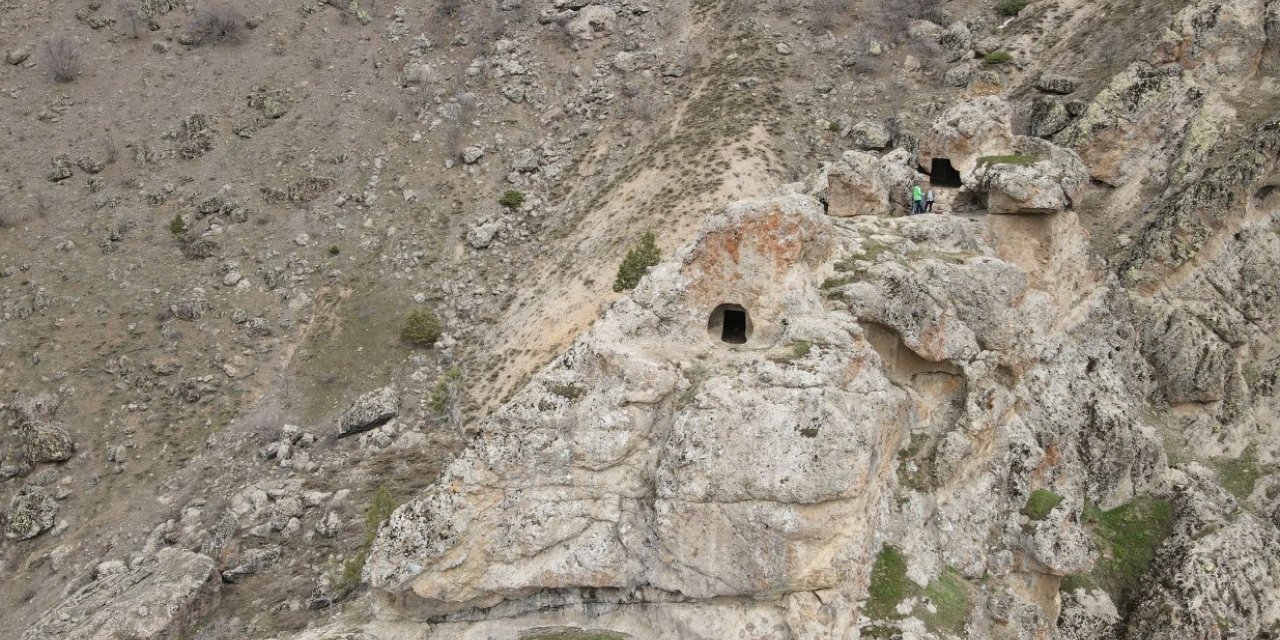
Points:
[(639, 260), (422, 328), (1040, 503), (568, 391), (997, 57), (176, 226), (334, 250), (512, 199), (1010, 8), (447, 397)]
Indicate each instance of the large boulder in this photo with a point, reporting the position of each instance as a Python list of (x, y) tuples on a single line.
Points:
[(1048, 116), (369, 411), (1039, 178), (31, 512), (968, 131), (869, 135), (159, 597), (45, 442), (591, 22), (1191, 360), (865, 184), (856, 186)]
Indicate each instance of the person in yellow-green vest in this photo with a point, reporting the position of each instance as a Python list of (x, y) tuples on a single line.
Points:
[(917, 200)]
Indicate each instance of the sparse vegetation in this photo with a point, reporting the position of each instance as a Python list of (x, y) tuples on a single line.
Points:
[(642, 257), (62, 55), (422, 328), (696, 375), (1040, 503), (1010, 8), (380, 509), (447, 398), (799, 349), (218, 22), (997, 57), (573, 634), (129, 17), (512, 199), (334, 250)]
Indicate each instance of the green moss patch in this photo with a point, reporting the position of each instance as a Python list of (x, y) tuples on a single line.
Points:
[(1010, 8), (839, 281), (568, 391), (890, 585), (1040, 503), (950, 597), (1128, 536), (1239, 475)]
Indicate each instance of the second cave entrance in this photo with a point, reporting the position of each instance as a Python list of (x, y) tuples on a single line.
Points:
[(942, 174), (729, 323)]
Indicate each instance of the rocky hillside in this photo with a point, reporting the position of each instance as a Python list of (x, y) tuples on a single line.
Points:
[(310, 328)]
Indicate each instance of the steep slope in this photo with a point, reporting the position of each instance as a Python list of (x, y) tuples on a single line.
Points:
[(209, 241)]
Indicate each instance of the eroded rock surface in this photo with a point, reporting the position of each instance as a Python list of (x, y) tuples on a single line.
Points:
[(158, 597)]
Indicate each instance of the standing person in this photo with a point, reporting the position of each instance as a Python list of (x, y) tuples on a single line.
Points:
[(917, 200), (928, 201)]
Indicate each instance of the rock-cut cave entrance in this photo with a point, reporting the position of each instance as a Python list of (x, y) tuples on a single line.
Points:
[(942, 174), (729, 323)]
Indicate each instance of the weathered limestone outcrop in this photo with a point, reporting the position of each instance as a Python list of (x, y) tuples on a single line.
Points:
[(901, 385), (1014, 174), (866, 184), (158, 597), (968, 131), (635, 462), (1039, 178), (370, 410)]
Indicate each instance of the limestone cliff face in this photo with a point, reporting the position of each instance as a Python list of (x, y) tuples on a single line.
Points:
[(902, 385), (655, 462)]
